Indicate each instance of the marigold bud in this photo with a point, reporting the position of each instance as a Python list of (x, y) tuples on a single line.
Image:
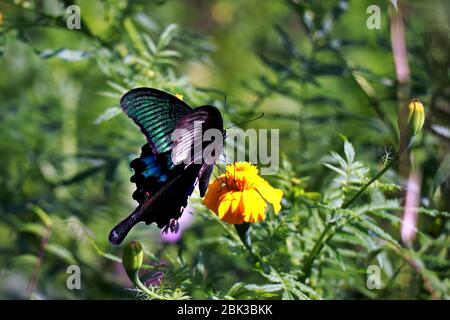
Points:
[(411, 118), (132, 257)]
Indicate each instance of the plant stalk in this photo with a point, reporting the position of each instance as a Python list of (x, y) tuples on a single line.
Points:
[(324, 236), (143, 288)]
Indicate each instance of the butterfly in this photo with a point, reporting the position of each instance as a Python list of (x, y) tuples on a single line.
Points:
[(174, 159)]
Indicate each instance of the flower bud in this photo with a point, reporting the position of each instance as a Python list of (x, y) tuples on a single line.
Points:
[(411, 118), (132, 257)]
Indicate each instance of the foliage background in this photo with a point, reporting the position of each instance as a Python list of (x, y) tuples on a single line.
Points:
[(317, 72)]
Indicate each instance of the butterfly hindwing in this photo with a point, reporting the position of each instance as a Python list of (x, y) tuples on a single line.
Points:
[(156, 113), (163, 207), (151, 172)]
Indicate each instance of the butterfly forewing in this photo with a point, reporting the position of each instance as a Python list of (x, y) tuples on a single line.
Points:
[(191, 143), (190, 140), (156, 113)]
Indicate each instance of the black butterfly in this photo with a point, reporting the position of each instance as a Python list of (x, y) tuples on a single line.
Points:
[(168, 169)]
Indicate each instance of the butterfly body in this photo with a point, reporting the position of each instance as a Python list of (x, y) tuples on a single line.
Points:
[(168, 168)]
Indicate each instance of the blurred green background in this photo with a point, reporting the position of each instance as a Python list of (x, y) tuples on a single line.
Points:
[(313, 67)]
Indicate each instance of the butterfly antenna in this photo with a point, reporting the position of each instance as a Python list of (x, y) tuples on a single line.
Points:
[(226, 177), (220, 169), (234, 175), (226, 180), (224, 171), (247, 121)]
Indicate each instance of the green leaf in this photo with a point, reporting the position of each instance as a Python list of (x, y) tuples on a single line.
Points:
[(287, 295), (109, 94), (307, 289), (61, 252), (45, 218), (169, 54), (339, 159), (388, 216), (375, 252), (443, 172), (135, 38), (349, 151), (108, 114), (166, 36), (434, 213), (264, 288), (336, 255), (24, 260), (335, 169), (380, 232), (150, 44), (33, 228), (101, 252), (234, 290), (117, 87), (299, 294)]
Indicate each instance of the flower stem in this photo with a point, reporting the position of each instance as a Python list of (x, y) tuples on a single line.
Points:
[(324, 236), (315, 251), (137, 282)]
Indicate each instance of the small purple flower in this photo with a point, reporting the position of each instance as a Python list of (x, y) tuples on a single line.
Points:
[(156, 280)]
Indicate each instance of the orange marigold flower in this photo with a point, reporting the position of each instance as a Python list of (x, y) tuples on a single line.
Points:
[(241, 195)]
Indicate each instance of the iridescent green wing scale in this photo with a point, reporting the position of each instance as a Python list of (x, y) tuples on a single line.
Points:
[(156, 113)]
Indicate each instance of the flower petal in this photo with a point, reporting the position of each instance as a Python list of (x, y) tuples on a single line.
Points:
[(213, 195), (236, 201), (270, 194), (245, 196), (224, 207), (229, 208), (254, 206), (247, 206)]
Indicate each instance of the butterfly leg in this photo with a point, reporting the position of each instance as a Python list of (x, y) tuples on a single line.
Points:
[(173, 226)]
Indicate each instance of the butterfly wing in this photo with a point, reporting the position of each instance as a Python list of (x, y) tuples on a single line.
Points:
[(164, 186), (193, 146), (156, 113), (162, 191)]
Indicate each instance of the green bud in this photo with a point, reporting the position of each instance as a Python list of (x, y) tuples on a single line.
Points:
[(411, 118), (132, 257)]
